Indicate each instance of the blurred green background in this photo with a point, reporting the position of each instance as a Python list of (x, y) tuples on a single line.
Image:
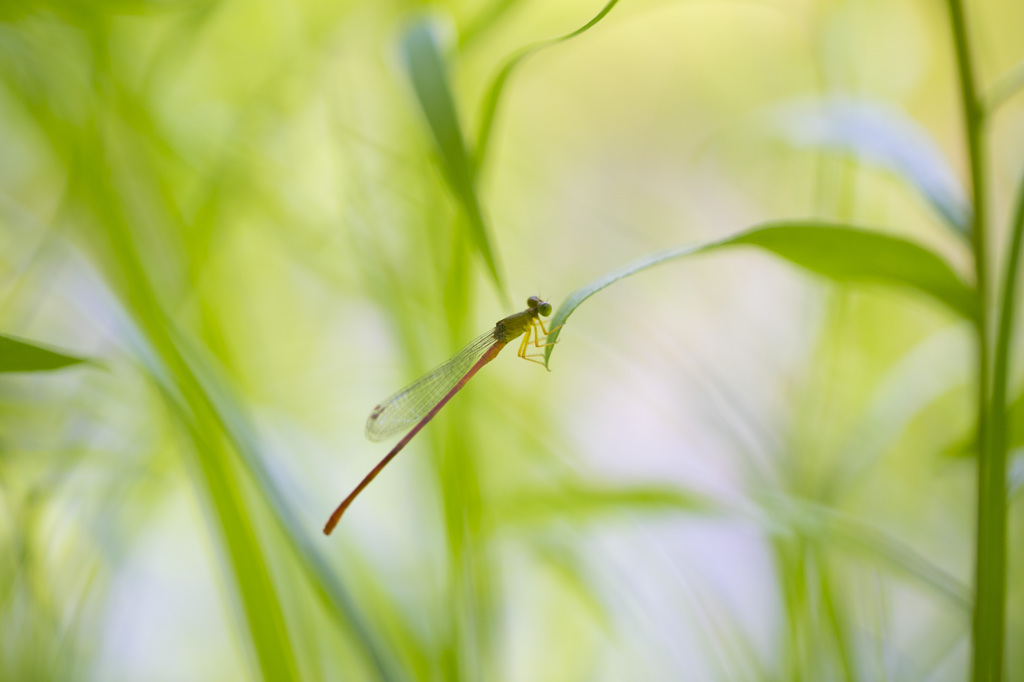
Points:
[(734, 471)]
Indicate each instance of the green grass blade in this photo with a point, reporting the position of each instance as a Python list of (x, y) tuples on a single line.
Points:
[(993, 557), (268, 629), (491, 99), (1007, 420), (429, 77), (829, 526), (583, 501), (849, 255), (988, 627), (230, 417), (885, 137), (222, 430), (19, 355), (261, 606), (841, 253), (261, 613)]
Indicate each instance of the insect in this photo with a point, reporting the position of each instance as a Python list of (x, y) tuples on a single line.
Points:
[(415, 405)]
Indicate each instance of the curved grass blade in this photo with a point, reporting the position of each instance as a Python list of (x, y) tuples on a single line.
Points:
[(233, 420), (219, 433), (261, 611), (19, 355), (429, 77), (850, 254), (490, 102), (885, 137), (840, 252)]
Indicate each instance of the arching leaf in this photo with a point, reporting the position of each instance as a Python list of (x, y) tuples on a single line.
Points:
[(840, 252)]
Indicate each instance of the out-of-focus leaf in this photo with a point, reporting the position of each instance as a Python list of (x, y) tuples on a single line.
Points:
[(1006, 87), (227, 409), (968, 445), (848, 254), (488, 18), (920, 377), (841, 253), (490, 102), (17, 355), (429, 77), (883, 136), (246, 567), (582, 502), (824, 524), (572, 572)]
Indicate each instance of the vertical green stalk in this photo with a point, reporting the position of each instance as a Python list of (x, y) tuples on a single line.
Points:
[(998, 439), (990, 553)]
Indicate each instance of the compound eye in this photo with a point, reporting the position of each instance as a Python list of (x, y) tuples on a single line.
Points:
[(533, 301), (545, 309)]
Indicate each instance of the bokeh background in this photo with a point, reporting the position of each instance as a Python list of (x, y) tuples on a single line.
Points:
[(734, 471)]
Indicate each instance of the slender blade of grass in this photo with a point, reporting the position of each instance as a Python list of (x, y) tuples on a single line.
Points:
[(264, 614), (1007, 420), (989, 624), (236, 424), (429, 76), (885, 137), (999, 436), (825, 524), (584, 501), (840, 252), (489, 109)]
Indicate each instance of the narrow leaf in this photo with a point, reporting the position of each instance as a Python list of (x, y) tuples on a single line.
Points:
[(18, 355), (825, 524), (839, 252), (490, 102), (848, 254), (886, 137), (429, 77), (581, 501)]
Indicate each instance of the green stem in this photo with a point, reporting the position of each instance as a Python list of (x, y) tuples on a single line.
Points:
[(998, 439), (990, 554)]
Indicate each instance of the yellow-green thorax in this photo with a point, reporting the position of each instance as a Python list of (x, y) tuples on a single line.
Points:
[(516, 325)]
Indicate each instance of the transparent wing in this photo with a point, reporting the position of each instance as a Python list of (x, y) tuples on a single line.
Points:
[(405, 408)]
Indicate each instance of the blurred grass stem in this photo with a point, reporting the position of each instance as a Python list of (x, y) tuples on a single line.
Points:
[(990, 555), (999, 439)]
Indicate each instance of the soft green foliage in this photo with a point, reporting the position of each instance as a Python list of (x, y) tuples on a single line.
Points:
[(18, 355), (427, 72), (841, 253), (581, 502), (497, 86), (847, 254), (257, 219), (875, 134)]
